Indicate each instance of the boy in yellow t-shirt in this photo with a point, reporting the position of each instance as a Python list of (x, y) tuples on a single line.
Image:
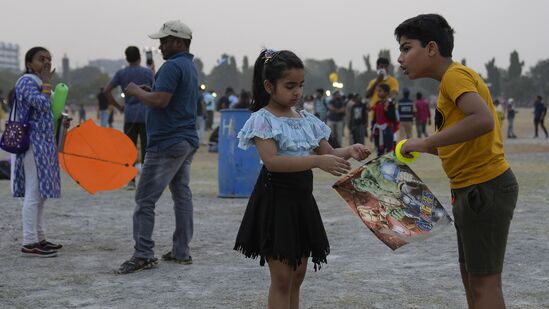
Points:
[(469, 144)]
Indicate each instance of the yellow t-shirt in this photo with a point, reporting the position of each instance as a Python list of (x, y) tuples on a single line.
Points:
[(477, 160), (391, 81)]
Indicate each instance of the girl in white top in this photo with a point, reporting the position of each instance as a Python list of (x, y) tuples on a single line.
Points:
[(282, 224)]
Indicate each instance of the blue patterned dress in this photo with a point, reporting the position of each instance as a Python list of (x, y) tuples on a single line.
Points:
[(282, 220), (28, 97)]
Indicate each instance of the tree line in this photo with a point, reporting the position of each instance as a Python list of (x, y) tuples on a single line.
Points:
[(512, 82)]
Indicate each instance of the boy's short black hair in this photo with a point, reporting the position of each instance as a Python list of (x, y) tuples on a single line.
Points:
[(382, 60), (427, 28), (385, 87)]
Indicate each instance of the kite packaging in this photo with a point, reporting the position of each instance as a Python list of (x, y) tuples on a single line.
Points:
[(392, 201)]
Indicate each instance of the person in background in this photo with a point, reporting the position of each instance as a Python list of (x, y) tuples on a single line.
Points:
[(423, 115), (320, 105), (383, 78), (201, 116), (102, 109), (539, 115), (81, 114), (224, 101), (406, 112), (171, 144), (336, 116), (134, 110), (511, 113), (384, 121), (36, 171), (358, 117), (209, 100)]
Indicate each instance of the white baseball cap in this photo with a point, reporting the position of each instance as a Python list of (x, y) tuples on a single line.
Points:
[(174, 28)]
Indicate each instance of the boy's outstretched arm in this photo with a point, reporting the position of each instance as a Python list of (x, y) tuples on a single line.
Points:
[(477, 121)]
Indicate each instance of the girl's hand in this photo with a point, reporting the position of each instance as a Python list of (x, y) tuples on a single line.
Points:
[(46, 73), (333, 164), (358, 152)]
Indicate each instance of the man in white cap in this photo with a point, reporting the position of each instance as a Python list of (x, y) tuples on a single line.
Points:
[(171, 143)]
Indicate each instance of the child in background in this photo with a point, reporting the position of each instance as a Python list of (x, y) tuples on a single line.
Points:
[(282, 223), (358, 118), (469, 143), (423, 115), (36, 172), (384, 121)]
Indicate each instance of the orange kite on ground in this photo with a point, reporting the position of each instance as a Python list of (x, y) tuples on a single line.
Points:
[(97, 158)]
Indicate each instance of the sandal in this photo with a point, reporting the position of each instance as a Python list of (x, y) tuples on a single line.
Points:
[(136, 264), (169, 257)]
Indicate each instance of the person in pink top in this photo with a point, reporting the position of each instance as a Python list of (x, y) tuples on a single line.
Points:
[(423, 115)]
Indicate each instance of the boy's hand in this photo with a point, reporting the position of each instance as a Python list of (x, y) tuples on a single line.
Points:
[(358, 152), (333, 164), (417, 144)]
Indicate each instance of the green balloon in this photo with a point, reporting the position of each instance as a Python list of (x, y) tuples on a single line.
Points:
[(58, 102)]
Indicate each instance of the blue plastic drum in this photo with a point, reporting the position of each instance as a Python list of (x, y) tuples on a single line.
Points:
[(237, 169)]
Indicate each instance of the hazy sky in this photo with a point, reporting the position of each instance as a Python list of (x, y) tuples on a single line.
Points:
[(321, 29)]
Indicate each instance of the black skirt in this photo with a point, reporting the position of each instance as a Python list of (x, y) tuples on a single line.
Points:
[(282, 221)]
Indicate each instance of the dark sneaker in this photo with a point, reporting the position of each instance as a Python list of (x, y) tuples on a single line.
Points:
[(36, 250), (136, 264), (49, 245), (169, 257)]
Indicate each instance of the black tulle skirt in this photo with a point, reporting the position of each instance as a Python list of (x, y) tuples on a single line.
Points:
[(282, 221)]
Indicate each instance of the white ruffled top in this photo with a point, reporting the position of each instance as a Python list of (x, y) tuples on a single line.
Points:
[(293, 136)]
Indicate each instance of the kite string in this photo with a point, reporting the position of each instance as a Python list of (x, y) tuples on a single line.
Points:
[(92, 158)]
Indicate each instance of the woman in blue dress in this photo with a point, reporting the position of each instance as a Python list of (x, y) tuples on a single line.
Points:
[(36, 172)]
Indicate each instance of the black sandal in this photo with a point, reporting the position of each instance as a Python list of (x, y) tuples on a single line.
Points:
[(136, 264)]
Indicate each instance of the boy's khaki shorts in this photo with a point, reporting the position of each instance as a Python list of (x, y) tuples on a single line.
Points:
[(482, 215)]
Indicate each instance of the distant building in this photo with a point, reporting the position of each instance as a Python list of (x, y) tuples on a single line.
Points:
[(9, 56), (108, 66), (66, 69)]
